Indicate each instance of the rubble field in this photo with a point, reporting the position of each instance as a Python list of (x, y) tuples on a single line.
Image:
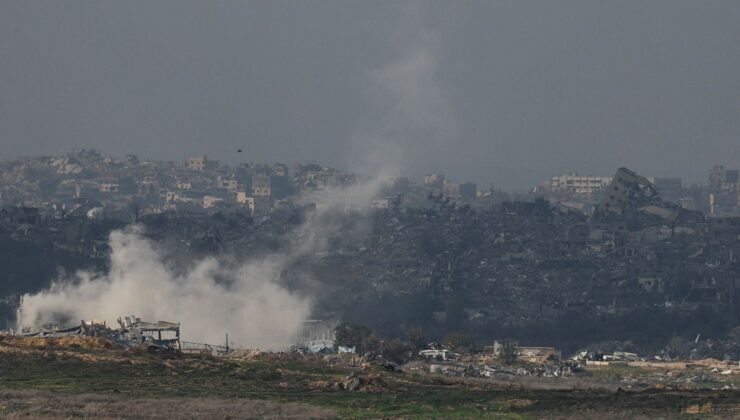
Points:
[(52, 378)]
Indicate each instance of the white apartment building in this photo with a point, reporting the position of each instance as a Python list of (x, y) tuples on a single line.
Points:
[(578, 184)]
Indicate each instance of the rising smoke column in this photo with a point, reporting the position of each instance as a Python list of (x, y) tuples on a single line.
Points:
[(410, 118), (247, 301)]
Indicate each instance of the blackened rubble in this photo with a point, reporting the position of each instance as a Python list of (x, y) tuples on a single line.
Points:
[(643, 273)]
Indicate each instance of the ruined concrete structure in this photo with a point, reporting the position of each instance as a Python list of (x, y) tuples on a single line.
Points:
[(158, 336), (632, 202), (160, 333), (627, 191)]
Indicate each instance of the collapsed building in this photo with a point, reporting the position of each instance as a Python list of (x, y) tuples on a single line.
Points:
[(132, 332), (632, 202), (161, 334), (532, 354), (317, 336)]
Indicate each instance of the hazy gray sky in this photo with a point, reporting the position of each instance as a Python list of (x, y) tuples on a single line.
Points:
[(502, 92)]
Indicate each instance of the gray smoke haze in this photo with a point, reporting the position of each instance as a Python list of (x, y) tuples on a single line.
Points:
[(409, 110), (312, 236), (533, 88)]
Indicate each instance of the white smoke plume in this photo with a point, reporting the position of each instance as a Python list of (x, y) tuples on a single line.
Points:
[(246, 302)]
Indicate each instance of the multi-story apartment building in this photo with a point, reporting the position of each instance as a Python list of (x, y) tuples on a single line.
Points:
[(579, 184)]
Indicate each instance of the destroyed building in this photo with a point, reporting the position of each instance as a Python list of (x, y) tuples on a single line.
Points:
[(161, 333), (632, 202), (160, 336)]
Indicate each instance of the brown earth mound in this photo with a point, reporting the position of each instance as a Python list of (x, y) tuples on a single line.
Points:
[(69, 341), (362, 383)]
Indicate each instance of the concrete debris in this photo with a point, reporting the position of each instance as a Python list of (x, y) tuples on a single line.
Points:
[(551, 369), (437, 354), (158, 337), (617, 356)]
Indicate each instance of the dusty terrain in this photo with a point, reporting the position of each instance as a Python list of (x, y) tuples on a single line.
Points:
[(86, 378)]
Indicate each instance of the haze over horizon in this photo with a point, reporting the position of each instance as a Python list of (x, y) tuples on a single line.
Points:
[(502, 93)]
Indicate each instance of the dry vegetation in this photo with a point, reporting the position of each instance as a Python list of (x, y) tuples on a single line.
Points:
[(33, 403), (70, 341)]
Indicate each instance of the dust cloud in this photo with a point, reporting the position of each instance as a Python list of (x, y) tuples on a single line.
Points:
[(209, 300)]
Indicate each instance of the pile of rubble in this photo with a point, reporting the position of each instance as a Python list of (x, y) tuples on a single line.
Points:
[(549, 369), (159, 337)]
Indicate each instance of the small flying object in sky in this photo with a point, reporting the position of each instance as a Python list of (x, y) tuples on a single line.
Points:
[(238, 150)]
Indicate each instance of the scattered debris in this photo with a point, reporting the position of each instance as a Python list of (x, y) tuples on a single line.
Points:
[(550, 369), (437, 354)]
